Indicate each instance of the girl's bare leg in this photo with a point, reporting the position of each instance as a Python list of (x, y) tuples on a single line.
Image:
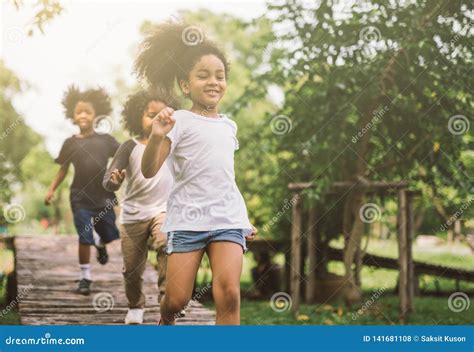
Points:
[(226, 265), (181, 272)]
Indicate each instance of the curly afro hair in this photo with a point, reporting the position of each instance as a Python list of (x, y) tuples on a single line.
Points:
[(99, 99), (137, 103), (170, 52)]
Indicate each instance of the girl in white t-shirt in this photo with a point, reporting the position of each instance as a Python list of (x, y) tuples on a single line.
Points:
[(205, 210)]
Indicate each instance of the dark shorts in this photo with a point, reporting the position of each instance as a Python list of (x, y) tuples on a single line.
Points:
[(189, 241), (101, 220)]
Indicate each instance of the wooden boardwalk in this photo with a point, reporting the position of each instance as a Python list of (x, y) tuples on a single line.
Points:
[(47, 275)]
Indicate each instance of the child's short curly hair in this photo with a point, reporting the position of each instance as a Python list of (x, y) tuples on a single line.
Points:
[(99, 99), (135, 106)]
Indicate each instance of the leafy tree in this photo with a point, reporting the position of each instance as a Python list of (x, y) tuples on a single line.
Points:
[(44, 12), (16, 138), (372, 91)]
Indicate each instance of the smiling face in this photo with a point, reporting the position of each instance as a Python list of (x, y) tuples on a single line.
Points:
[(152, 109), (84, 115), (206, 83)]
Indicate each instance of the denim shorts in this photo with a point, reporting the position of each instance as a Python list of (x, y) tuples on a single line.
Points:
[(189, 241), (101, 220)]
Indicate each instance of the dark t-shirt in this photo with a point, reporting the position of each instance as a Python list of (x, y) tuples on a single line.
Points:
[(89, 155)]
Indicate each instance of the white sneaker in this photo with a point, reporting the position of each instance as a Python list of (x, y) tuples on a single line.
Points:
[(134, 316)]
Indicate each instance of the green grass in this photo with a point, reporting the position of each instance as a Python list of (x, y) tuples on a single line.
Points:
[(384, 311), (429, 310)]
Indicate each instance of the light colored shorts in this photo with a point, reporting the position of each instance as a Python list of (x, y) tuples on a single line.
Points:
[(189, 241)]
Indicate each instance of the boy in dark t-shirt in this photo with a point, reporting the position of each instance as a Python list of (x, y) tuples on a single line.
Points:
[(88, 151)]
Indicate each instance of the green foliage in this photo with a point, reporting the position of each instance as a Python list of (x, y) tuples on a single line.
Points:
[(16, 139), (44, 12), (39, 168), (372, 92)]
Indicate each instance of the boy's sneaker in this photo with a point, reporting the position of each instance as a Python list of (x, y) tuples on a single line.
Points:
[(181, 314), (84, 287), (134, 316), (102, 255)]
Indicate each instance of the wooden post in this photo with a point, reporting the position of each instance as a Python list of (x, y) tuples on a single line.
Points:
[(411, 284), (287, 271), (457, 230), (312, 255), (295, 254), (402, 253)]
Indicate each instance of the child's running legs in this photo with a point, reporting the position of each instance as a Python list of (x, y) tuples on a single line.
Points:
[(226, 265), (157, 241), (86, 221), (84, 253), (180, 275), (135, 252)]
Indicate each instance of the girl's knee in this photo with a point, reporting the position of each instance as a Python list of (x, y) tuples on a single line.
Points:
[(229, 294), (174, 304)]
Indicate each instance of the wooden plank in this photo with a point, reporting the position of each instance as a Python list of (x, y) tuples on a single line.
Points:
[(47, 274), (411, 284), (312, 255), (420, 268), (295, 269)]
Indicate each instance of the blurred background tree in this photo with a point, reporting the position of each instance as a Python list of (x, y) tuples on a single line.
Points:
[(375, 90)]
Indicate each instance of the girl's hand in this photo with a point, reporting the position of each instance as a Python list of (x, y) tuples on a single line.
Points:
[(162, 123), (252, 235), (117, 177), (49, 197)]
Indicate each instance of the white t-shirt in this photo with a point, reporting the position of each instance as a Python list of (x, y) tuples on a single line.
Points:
[(143, 198), (204, 196)]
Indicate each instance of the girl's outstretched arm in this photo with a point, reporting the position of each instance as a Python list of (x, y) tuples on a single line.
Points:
[(159, 146), (55, 183)]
